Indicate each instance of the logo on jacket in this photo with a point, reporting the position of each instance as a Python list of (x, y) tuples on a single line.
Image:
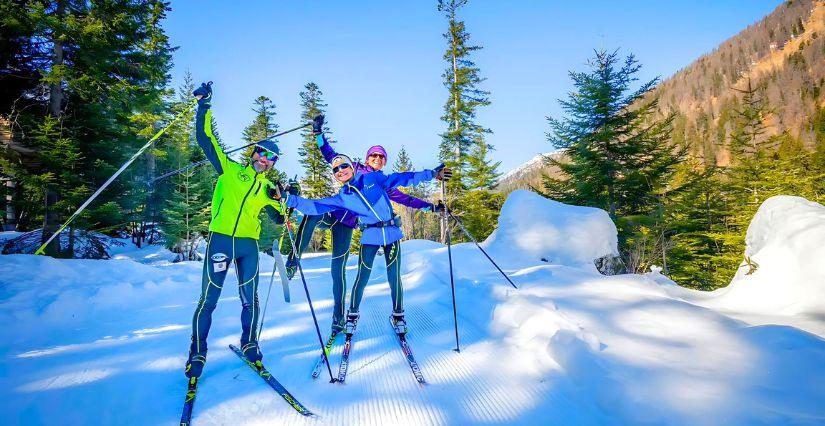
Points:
[(243, 176)]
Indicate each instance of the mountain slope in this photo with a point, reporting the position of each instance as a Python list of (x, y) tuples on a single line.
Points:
[(783, 55)]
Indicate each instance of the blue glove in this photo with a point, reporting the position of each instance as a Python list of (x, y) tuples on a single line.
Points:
[(205, 92), (319, 139)]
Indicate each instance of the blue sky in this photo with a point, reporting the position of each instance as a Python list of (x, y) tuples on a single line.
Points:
[(379, 64)]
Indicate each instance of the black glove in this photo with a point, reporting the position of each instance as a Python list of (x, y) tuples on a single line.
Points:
[(294, 188), (205, 92), (443, 173), (440, 207), (274, 192), (318, 124)]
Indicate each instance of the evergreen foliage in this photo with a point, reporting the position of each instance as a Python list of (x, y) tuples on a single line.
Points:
[(88, 95), (187, 196), (463, 147), (262, 127), (618, 156), (415, 223), (317, 180)]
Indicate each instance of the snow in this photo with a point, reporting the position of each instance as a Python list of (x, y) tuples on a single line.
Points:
[(785, 239), (537, 160), (532, 228), (104, 341)]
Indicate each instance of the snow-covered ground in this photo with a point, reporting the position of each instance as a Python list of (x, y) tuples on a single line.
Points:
[(102, 342)]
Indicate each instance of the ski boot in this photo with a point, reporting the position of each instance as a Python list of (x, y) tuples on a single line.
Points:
[(352, 321), (338, 327), (291, 267), (252, 352), (194, 366), (398, 322)]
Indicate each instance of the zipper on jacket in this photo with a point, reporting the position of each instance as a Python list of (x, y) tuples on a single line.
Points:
[(218, 211), (240, 209)]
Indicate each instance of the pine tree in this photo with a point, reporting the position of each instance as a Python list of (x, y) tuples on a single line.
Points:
[(463, 146), (317, 180), (618, 154), (89, 93), (462, 80), (264, 126), (187, 196), (703, 249), (403, 163)]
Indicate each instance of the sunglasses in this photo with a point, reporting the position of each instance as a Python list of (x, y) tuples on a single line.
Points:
[(340, 167), (269, 155), (375, 154)]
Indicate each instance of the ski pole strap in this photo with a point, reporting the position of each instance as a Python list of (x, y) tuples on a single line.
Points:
[(395, 221)]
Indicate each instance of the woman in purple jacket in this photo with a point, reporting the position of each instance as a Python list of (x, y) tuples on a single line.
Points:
[(365, 195), (341, 223)]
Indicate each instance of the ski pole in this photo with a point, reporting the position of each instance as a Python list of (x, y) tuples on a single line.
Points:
[(445, 224), (306, 290), (202, 162), (86, 203), (467, 233), (266, 303)]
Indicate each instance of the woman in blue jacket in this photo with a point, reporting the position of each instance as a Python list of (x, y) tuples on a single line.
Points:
[(365, 195)]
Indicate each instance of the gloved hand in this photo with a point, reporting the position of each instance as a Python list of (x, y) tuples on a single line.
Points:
[(443, 173), (204, 94), (274, 192), (294, 188), (318, 124), (440, 207)]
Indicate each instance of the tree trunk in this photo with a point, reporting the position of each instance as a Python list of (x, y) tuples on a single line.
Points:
[(11, 214), (50, 224), (50, 217)]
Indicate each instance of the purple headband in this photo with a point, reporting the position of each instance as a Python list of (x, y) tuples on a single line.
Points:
[(377, 148)]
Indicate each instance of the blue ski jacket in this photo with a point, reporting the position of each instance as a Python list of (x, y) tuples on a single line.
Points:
[(366, 196)]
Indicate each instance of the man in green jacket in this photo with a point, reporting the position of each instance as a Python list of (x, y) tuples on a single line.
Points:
[(240, 193)]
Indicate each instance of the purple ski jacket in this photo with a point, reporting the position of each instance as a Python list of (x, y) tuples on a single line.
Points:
[(347, 218)]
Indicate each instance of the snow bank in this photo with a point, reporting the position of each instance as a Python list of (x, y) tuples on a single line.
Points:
[(532, 228), (786, 239)]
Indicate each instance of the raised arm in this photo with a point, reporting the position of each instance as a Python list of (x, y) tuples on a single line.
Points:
[(394, 180), (203, 129), (321, 140), (408, 200), (315, 207)]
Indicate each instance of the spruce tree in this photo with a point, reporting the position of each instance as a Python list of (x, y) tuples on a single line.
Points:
[(618, 154), (317, 180), (187, 196), (462, 80), (93, 98), (262, 127), (463, 146)]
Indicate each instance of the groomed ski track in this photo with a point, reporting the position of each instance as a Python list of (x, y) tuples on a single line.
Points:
[(380, 385)]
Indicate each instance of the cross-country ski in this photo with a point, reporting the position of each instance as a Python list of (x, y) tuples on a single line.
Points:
[(259, 368)]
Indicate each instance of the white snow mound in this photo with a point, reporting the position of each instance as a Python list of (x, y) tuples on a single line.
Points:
[(532, 228), (786, 239)]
